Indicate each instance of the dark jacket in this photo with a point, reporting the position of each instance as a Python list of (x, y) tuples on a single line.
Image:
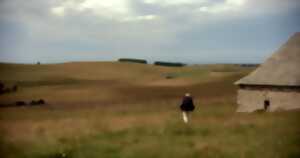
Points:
[(187, 104)]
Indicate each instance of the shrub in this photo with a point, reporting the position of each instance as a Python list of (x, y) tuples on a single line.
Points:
[(33, 102), (7, 90), (20, 103), (37, 102), (1, 88), (15, 88), (4, 89), (169, 76), (41, 101)]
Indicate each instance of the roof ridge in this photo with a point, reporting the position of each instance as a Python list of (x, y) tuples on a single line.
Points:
[(281, 68)]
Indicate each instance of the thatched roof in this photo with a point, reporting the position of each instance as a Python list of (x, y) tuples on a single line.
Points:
[(281, 69)]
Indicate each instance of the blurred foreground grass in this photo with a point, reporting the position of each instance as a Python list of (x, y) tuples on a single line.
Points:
[(154, 131)]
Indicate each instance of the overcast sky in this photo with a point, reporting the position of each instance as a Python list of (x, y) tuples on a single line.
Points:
[(194, 31)]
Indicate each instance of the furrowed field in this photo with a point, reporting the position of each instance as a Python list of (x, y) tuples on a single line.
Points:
[(111, 110)]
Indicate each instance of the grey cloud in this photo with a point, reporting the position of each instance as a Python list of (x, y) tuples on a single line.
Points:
[(29, 32)]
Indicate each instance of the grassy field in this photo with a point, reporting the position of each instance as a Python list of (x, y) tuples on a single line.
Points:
[(107, 109)]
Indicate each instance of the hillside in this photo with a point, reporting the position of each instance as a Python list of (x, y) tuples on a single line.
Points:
[(113, 82), (107, 109)]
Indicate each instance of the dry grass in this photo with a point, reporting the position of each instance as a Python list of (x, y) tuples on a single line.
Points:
[(116, 110)]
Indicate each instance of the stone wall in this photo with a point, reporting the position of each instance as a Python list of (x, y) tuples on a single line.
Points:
[(250, 100)]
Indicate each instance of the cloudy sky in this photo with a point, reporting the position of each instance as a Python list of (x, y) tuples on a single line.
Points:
[(193, 31)]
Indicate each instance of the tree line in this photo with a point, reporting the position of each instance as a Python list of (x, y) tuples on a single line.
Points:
[(158, 63)]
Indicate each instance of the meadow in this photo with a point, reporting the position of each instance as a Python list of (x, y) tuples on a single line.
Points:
[(111, 110)]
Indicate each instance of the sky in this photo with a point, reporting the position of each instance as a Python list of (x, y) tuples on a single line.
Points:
[(190, 31)]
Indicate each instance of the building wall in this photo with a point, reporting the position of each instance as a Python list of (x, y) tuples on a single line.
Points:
[(250, 100)]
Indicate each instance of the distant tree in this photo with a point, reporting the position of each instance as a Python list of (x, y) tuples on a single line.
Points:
[(162, 63), (131, 60)]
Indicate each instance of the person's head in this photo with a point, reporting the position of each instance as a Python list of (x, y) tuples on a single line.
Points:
[(187, 94)]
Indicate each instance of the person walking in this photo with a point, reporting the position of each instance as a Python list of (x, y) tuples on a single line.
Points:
[(186, 107)]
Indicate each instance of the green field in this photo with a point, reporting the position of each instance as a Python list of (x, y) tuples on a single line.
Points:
[(111, 110)]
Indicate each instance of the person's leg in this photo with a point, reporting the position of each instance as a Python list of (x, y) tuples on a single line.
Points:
[(185, 117)]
